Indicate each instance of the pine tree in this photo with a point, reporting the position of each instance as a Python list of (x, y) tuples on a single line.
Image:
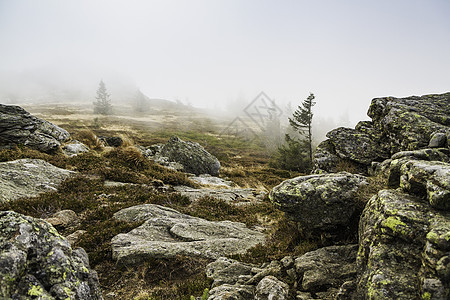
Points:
[(102, 105), (302, 121)]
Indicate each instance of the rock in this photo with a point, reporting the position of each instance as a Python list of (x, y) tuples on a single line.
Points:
[(228, 271), (322, 202), (398, 124), (167, 233), (232, 292), (74, 237), (112, 141), (408, 123), (270, 288), (212, 181), (347, 291), (63, 218), (192, 156), (403, 250), (74, 148), (438, 140), (28, 178), (430, 179), (357, 146), (234, 195), (18, 127), (37, 262), (327, 267), (273, 269)]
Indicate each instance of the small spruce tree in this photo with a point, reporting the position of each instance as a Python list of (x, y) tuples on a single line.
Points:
[(102, 104), (301, 121)]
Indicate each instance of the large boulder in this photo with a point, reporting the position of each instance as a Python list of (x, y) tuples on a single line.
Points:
[(403, 249), (18, 127), (28, 178), (192, 156), (38, 263), (167, 233), (398, 124), (324, 202)]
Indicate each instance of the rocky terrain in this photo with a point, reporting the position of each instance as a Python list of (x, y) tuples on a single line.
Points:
[(375, 210)]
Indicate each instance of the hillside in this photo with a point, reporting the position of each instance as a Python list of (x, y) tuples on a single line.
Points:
[(166, 207)]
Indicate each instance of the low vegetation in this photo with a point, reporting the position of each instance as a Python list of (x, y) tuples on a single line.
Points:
[(243, 162)]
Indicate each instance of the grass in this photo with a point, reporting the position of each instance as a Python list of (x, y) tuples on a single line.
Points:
[(245, 163)]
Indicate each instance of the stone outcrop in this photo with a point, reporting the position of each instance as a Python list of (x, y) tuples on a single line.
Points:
[(398, 124), (191, 156), (319, 274), (38, 263), (18, 127), (324, 202), (167, 233), (29, 178)]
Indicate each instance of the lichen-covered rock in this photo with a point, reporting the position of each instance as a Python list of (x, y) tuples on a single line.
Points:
[(167, 233), (355, 145), (37, 263), (74, 148), (29, 178), (232, 195), (403, 249), (430, 179), (271, 288), (324, 202), (18, 127), (192, 156), (408, 123), (398, 124), (327, 267)]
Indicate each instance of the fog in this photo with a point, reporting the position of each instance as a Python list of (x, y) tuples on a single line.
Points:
[(220, 54)]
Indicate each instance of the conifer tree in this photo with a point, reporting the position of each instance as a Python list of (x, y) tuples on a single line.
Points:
[(301, 121), (102, 105)]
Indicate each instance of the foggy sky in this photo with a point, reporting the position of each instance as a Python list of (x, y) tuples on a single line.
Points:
[(209, 52)]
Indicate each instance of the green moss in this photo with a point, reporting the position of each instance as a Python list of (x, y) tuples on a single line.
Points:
[(35, 291), (426, 296), (395, 225)]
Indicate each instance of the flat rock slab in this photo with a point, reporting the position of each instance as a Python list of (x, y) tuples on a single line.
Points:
[(167, 233), (29, 178), (235, 195)]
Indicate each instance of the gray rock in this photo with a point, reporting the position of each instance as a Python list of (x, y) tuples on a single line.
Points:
[(232, 195), (319, 202), (167, 233), (427, 178), (271, 288), (232, 292), (212, 181), (327, 267), (18, 127), (438, 140), (228, 271), (403, 243), (29, 178), (192, 156), (398, 124), (74, 148), (36, 262)]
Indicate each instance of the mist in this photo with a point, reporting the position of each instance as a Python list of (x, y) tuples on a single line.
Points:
[(219, 55)]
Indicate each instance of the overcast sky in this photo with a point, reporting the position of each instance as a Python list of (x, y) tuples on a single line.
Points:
[(213, 51)]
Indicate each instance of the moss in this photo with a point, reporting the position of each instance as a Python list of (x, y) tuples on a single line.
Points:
[(35, 291), (395, 225), (426, 296)]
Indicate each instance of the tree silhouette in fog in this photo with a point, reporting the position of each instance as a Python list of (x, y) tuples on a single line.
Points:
[(102, 103)]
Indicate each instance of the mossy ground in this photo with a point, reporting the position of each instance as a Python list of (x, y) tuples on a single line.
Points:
[(243, 162)]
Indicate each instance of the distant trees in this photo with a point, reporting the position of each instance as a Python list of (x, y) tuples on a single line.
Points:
[(102, 103), (296, 154), (140, 102)]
